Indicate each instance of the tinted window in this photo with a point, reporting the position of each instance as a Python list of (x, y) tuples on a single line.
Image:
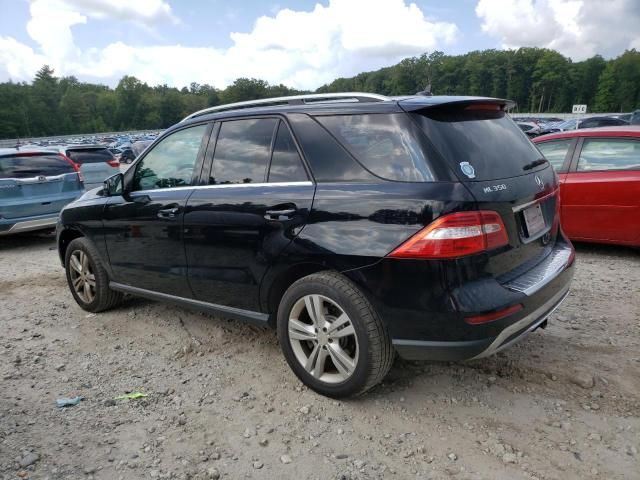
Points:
[(170, 163), (286, 164), (242, 151), (555, 151), (609, 154), (329, 161), (488, 140), (90, 155), (30, 166), (385, 144)]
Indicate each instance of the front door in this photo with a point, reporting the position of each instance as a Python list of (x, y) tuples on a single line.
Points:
[(259, 196), (143, 227)]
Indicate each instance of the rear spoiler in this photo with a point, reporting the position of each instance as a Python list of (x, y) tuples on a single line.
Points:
[(413, 104)]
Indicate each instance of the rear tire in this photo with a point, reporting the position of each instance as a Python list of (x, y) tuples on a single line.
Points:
[(331, 336), (87, 277)]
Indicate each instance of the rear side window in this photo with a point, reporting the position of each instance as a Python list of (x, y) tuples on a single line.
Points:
[(286, 164), (242, 151), (478, 144), (609, 154), (30, 166), (385, 144), (555, 151), (90, 155)]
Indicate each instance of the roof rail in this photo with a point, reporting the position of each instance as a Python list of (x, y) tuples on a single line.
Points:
[(312, 98)]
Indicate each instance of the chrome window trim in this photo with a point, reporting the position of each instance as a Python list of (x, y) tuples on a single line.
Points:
[(229, 185)]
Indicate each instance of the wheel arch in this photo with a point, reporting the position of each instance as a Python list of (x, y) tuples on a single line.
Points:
[(276, 283), (65, 237)]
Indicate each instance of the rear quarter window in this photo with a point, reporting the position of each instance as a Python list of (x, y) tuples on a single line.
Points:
[(555, 151), (94, 155), (29, 166), (385, 144)]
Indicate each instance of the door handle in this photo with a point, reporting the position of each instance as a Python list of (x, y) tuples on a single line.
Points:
[(168, 213), (279, 214)]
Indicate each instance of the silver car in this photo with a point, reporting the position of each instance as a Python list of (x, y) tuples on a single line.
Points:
[(96, 163)]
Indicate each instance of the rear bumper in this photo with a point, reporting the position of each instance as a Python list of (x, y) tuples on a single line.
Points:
[(426, 316), (468, 350), (11, 226)]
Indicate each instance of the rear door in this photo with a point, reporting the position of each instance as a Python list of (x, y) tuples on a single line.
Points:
[(505, 173), (96, 164), (36, 184), (601, 193), (257, 197), (144, 227)]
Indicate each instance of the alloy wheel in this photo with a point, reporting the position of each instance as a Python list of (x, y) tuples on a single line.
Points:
[(83, 279), (323, 338)]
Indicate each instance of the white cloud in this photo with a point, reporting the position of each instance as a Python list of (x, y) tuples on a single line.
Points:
[(576, 28), (298, 48)]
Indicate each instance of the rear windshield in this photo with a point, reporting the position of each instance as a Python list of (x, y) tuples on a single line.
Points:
[(30, 166), (90, 155), (388, 145), (479, 144)]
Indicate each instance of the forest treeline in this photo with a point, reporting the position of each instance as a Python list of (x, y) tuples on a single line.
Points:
[(537, 79)]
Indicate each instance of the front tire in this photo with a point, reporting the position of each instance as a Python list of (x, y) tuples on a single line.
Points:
[(87, 277), (331, 336)]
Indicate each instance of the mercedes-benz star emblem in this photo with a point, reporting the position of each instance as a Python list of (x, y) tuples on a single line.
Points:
[(539, 182)]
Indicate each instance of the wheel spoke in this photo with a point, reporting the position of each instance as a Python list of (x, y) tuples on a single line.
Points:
[(345, 332), (75, 264), (340, 322), (311, 361), (341, 360), (91, 280), (314, 308), (300, 331), (318, 369), (84, 259), (77, 283)]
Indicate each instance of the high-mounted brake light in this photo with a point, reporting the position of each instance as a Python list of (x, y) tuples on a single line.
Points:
[(455, 235), (484, 106)]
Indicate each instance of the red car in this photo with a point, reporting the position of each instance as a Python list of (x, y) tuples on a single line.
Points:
[(599, 172)]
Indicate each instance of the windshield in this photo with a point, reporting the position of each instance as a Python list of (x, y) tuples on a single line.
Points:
[(479, 144)]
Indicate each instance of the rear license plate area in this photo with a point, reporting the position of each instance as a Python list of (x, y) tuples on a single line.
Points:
[(534, 220)]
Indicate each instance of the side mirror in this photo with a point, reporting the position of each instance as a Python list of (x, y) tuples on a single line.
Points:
[(113, 185)]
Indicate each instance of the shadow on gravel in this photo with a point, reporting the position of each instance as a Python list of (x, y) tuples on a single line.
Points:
[(602, 249), (26, 240)]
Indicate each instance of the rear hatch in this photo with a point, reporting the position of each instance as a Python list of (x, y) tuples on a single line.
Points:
[(503, 170), (34, 184), (96, 163)]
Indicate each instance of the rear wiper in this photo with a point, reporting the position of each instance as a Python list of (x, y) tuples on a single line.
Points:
[(535, 163)]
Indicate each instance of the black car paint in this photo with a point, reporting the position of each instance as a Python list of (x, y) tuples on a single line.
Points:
[(222, 252)]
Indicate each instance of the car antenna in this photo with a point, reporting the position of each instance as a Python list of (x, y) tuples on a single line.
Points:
[(426, 92)]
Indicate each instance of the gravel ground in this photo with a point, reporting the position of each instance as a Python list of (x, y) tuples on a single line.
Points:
[(222, 403)]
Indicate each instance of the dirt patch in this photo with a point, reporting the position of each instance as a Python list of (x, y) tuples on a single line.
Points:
[(222, 403)]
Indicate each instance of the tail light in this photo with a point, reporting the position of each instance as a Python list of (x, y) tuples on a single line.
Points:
[(114, 163), (75, 166), (455, 235)]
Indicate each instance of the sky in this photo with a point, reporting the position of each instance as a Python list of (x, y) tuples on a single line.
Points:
[(302, 44)]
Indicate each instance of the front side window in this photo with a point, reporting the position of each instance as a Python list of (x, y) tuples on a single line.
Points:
[(386, 144), (555, 151), (609, 154), (242, 151), (170, 163), (286, 164)]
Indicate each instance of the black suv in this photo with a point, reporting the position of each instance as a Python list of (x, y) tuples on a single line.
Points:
[(357, 225)]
